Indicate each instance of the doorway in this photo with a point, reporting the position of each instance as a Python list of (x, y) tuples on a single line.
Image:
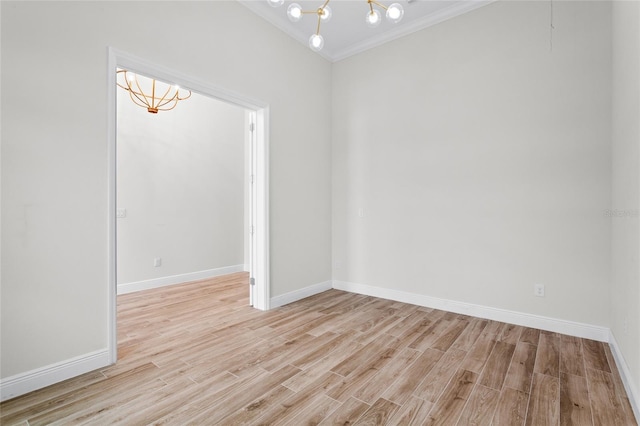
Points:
[(256, 225)]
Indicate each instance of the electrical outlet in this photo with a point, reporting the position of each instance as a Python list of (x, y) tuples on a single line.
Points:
[(538, 290), (157, 261), (120, 213)]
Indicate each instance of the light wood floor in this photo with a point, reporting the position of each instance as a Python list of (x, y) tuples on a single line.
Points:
[(197, 354)]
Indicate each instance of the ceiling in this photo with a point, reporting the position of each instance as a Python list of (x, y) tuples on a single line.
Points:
[(346, 32)]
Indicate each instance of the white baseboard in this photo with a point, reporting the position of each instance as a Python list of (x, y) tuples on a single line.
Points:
[(296, 295), (178, 279), (535, 321), (625, 374), (23, 383), (602, 334)]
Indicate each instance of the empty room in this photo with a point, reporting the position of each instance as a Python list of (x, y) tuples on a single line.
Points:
[(438, 202)]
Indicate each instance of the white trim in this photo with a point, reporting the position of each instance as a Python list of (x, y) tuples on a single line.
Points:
[(571, 328), (112, 289), (260, 267), (627, 378), (134, 63), (260, 262), (23, 383), (456, 9), (296, 295), (178, 279)]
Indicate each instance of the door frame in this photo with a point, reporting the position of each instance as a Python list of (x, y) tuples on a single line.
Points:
[(259, 178)]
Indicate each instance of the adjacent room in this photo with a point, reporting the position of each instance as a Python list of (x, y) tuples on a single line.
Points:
[(448, 230), (181, 190)]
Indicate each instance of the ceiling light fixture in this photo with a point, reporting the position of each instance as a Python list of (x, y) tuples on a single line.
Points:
[(394, 14), (156, 95)]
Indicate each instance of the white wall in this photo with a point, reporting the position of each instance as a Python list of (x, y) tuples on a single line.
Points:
[(54, 153), (481, 161), (181, 180), (625, 217)]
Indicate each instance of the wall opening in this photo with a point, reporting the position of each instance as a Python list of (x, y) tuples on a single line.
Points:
[(255, 117), (182, 202)]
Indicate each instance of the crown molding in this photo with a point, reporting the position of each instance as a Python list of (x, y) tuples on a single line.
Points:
[(427, 21)]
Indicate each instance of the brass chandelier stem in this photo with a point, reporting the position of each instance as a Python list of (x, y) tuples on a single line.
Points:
[(319, 20), (372, 2), (320, 13)]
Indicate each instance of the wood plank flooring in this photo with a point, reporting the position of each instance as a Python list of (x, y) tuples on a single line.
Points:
[(197, 354)]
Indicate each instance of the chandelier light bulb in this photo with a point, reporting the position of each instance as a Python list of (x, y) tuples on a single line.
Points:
[(373, 18), (275, 3), (316, 42), (294, 12), (395, 12), (326, 13)]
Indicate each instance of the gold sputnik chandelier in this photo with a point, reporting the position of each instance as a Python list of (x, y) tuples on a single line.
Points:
[(394, 14), (151, 94)]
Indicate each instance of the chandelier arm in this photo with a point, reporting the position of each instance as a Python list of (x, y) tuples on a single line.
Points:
[(162, 102), (143, 97), (140, 96), (325, 4), (164, 96), (377, 4), (141, 92), (117, 82), (128, 86), (186, 97), (169, 108), (137, 100), (319, 20), (153, 93), (160, 107)]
